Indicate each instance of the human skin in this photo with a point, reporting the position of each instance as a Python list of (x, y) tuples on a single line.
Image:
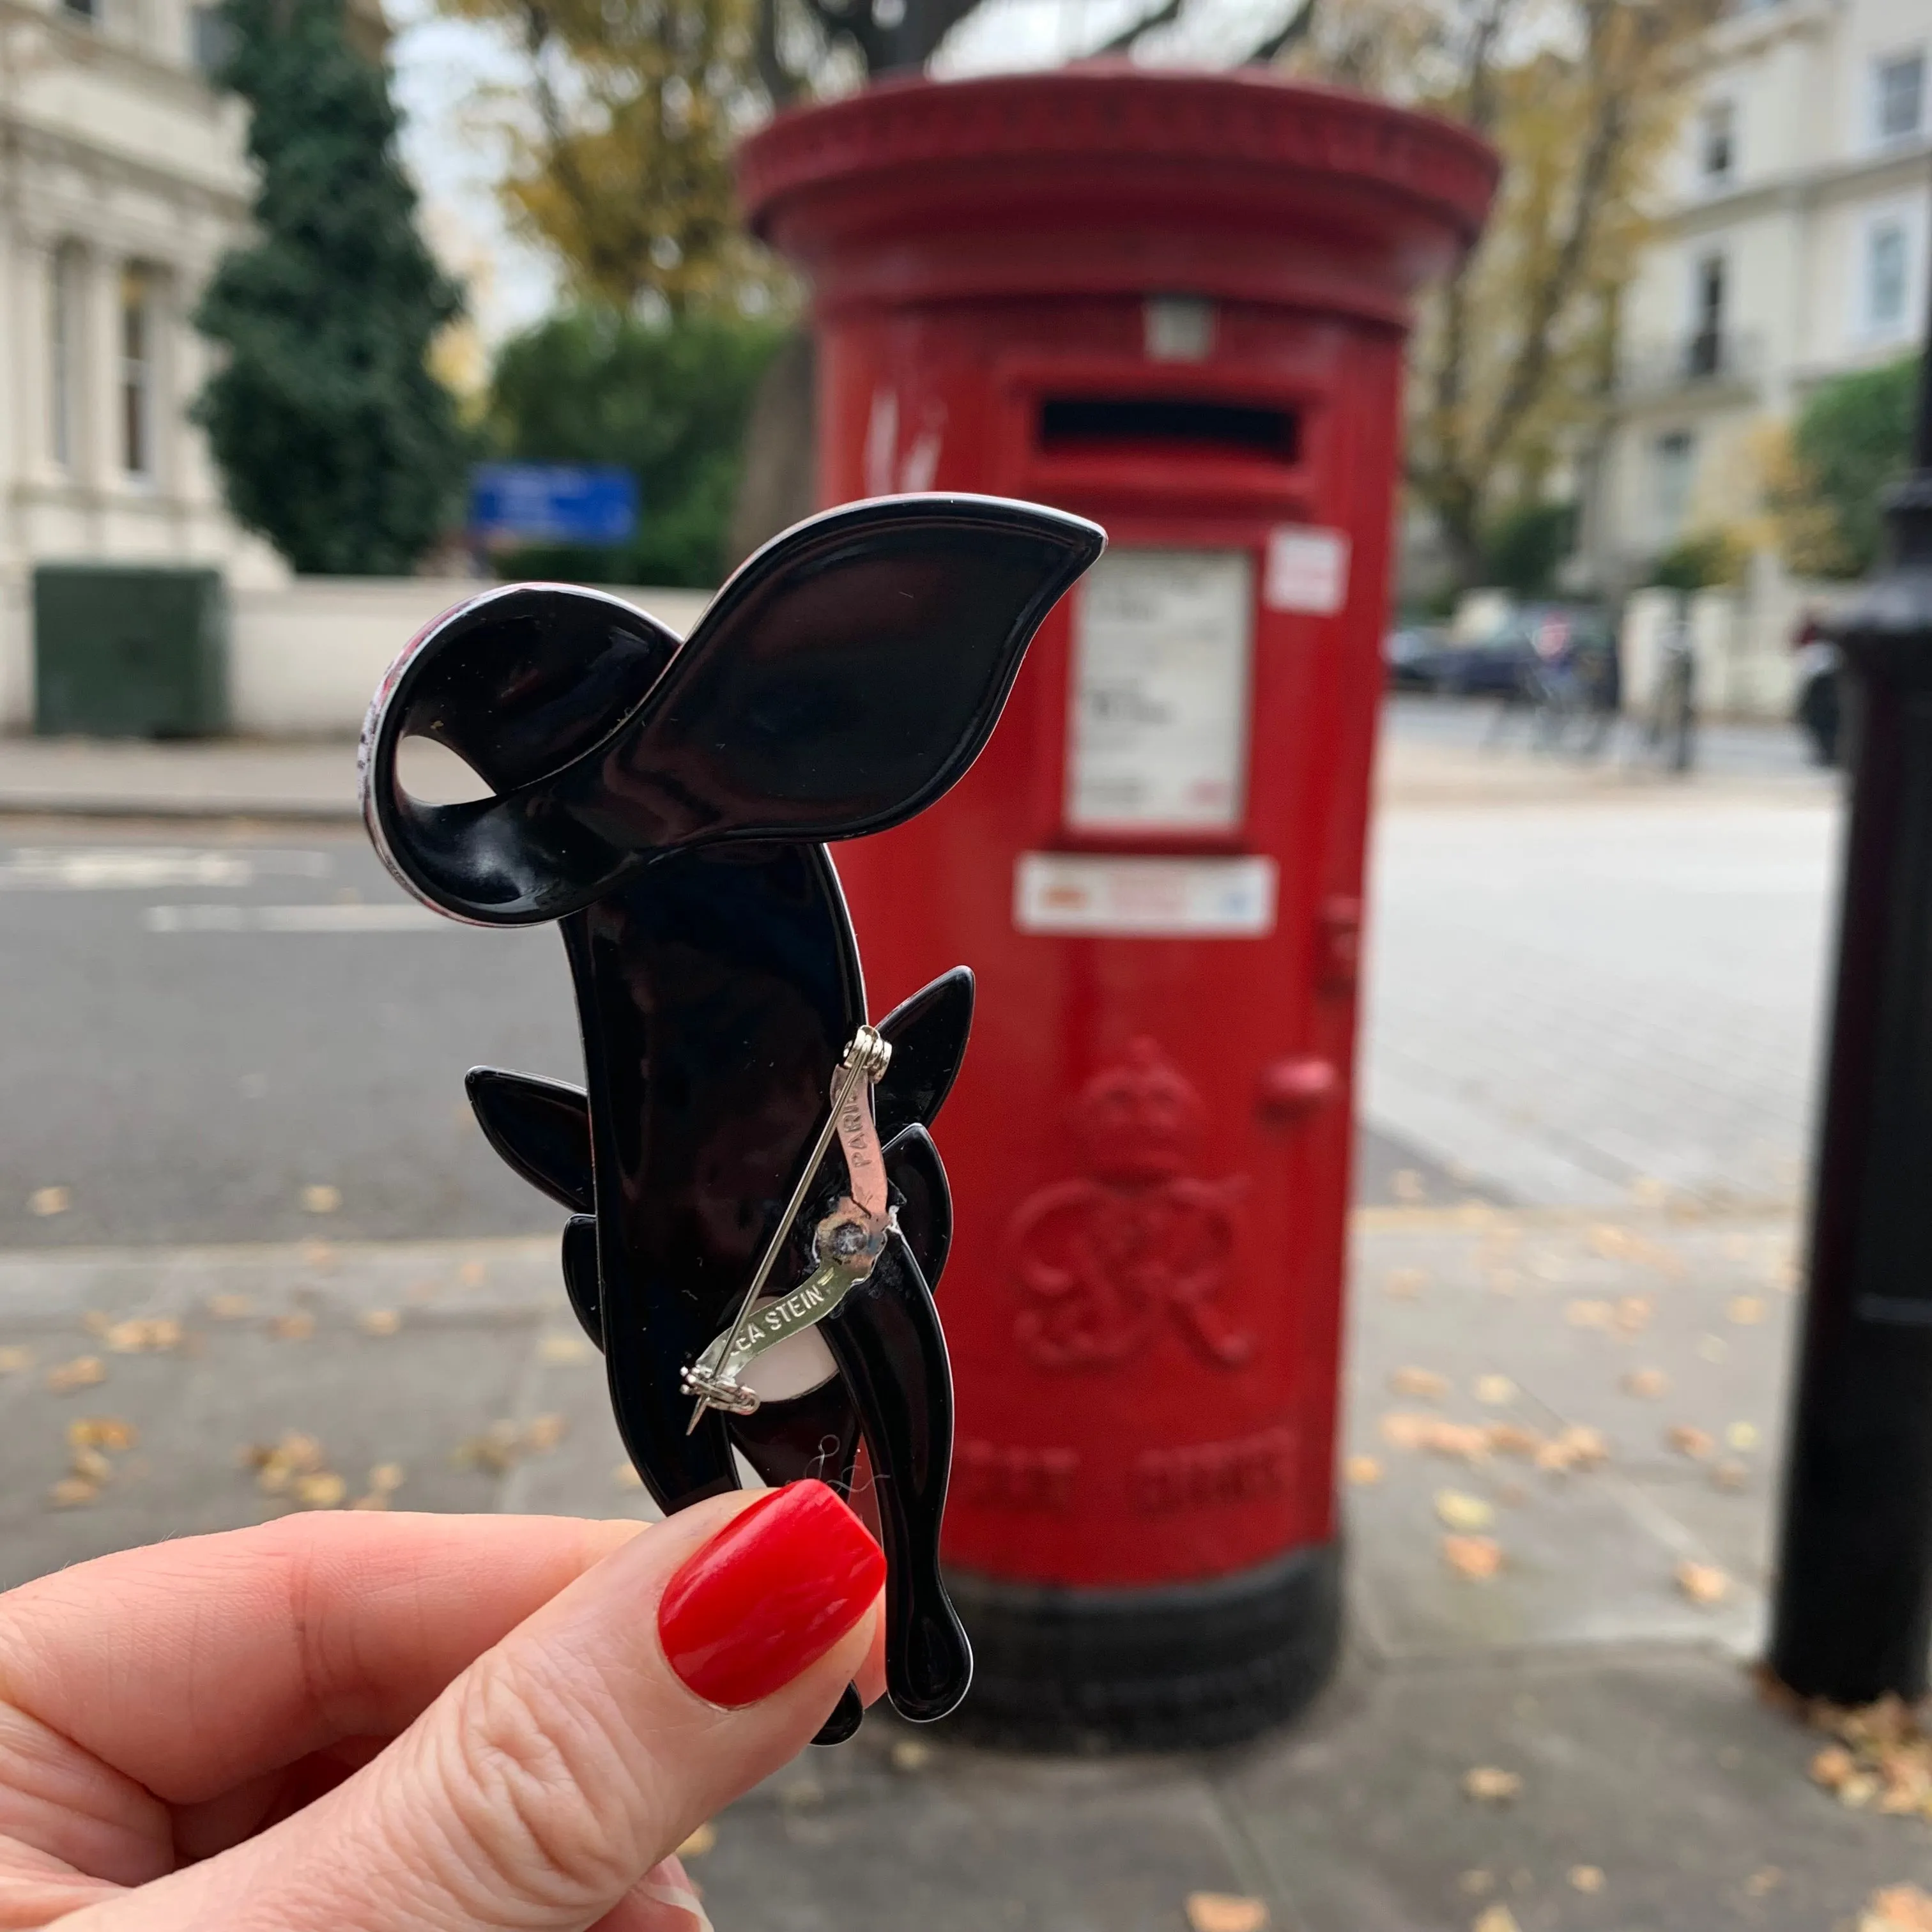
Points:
[(367, 1723)]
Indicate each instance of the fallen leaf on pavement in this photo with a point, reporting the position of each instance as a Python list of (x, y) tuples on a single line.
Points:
[(1489, 1784), (565, 1348), (1590, 1314), (1425, 1383), (1468, 1442), (471, 1274), (298, 1326), (1688, 1440), (277, 1465), (101, 1431), (1474, 1557), (505, 1443), (230, 1307), (1729, 1475), (1832, 1766), (1457, 1510), (1226, 1912), (16, 1361), (700, 1842), (1745, 1309), (1579, 1446), (379, 1321), (626, 1477), (139, 1337), (1741, 1436), (1497, 1917), (1633, 1313), (1765, 1879), (1363, 1470), (72, 1493), (1647, 1382), (1511, 1439), (1406, 1282), (1586, 1878), (83, 1372), (1494, 1390), (1477, 1882), (323, 1490), (45, 1200), (1702, 1582), (1897, 1908), (911, 1754), (318, 1255), (321, 1199), (91, 1466)]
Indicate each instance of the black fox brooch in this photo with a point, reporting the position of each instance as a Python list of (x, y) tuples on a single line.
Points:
[(758, 1216)]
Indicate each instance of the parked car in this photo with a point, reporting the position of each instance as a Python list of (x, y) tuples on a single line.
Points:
[(1413, 655), (1535, 641), (1816, 709)]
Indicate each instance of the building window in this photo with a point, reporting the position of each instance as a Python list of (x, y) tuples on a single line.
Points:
[(1898, 96), (1716, 141), (1704, 356), (63, 354), (209, 41), (1673, 462), (1886, 290), (137, 371)]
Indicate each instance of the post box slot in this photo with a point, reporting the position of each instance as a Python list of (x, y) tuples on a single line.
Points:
[(1173, 425)]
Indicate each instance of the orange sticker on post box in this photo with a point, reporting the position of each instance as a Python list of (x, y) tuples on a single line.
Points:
[(1144, 898), (1307, 570)]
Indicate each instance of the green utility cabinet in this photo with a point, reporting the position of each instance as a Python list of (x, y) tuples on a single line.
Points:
[(129, 651)]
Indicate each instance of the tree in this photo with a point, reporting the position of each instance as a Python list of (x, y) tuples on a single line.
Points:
[(623, 150), (334, 440), (1852, 441), (668, 399), (1513, 363)]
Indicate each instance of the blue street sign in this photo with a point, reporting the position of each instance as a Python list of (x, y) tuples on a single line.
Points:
[(553, 503)]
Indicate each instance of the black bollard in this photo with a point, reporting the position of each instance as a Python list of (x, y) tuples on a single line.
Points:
[(1853, 1614)]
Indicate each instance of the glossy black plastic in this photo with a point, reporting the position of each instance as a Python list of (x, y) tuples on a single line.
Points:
[(666, 803)]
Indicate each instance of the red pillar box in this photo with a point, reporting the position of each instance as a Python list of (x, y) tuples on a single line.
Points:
[(1175, 304)]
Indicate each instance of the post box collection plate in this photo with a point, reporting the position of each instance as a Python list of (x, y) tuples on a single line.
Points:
[(757, 1214)]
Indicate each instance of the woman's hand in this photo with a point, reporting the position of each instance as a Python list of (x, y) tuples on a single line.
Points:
[(371, 1723)]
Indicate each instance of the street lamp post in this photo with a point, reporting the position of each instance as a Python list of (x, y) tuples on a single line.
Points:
[(1853, 1614)]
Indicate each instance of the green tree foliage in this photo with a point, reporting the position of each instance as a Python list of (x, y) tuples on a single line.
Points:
[(1852, 441), (667, 399), (1523, 547), (1700, 561), (335, 441)]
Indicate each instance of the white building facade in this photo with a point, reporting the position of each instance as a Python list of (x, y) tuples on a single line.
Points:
[(1792, 246), (123, 179)]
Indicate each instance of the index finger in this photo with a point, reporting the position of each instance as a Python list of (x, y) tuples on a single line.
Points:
[(192, 1665)]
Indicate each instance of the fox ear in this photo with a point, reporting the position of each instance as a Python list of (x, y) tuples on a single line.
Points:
[(840, 682), (851, 671)]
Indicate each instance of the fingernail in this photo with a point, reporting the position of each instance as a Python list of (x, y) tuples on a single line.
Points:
[(771, 1593)]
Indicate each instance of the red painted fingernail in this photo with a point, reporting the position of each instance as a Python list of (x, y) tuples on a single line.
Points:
[(772, 1592)]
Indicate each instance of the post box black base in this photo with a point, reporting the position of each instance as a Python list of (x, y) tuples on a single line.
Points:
[(1211, 1663)]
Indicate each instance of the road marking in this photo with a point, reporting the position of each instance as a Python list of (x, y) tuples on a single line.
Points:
[(387, 918), (94, 868)]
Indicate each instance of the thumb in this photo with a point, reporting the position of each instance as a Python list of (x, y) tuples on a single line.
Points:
[(542, 1789)]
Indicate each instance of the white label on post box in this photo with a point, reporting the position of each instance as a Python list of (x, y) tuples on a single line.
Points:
[(1158, 725), (1307, 570), (1145, 899)]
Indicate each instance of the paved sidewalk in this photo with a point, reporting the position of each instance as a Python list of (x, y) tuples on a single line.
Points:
[(1640, 1356), (218, 778)]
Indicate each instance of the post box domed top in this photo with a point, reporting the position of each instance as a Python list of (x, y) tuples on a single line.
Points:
[(1109, 179)]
